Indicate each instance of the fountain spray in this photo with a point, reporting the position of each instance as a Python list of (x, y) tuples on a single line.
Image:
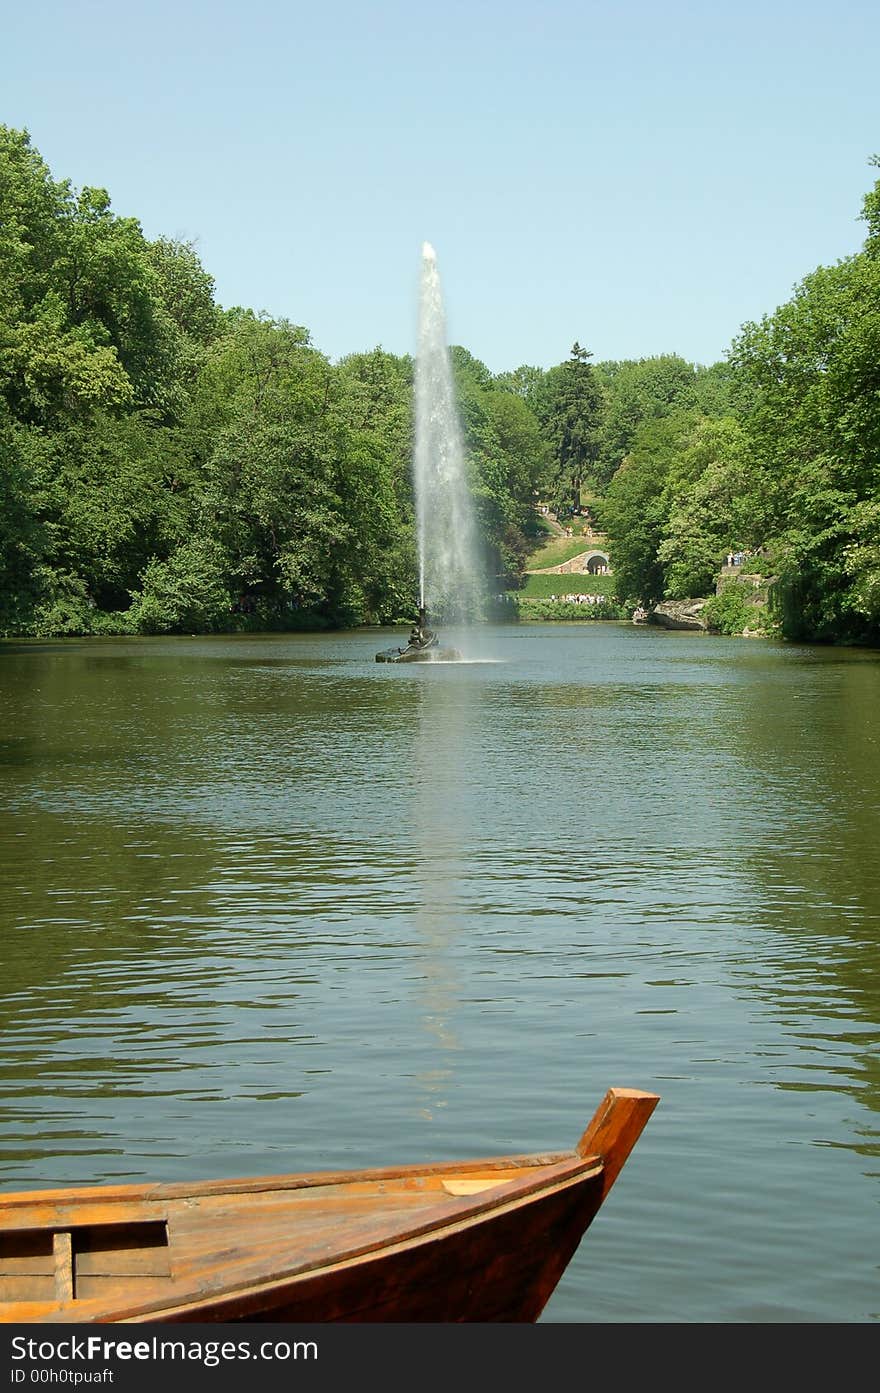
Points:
[(450, 573)]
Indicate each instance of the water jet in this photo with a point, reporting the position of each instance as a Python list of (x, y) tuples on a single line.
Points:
[(450, 574)]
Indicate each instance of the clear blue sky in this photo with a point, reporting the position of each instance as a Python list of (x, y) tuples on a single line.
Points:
[(642, 177)]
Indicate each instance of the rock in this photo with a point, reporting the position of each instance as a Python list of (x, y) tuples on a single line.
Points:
[(679, 614)]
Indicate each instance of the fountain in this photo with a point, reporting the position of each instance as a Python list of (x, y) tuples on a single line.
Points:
[(450, 574)]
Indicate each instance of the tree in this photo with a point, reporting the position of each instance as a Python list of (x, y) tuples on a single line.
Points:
[(377, 485), (811, 370), (647, 389), (509, 459), (377, 392), (571, 407), (635, 510), (22, 539), (715, 505), (93, 317), (185, 288), (524, 382), (526, 453), (105, 503)]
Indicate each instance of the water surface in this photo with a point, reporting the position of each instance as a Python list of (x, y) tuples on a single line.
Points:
[(266, 904)]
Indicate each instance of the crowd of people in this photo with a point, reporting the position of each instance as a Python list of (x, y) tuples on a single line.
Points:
[(579, 599)]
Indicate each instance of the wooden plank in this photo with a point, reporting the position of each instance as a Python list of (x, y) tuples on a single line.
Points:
[(122, 1262), (91, 1287), (96, 1238), (62, 1248), (122, 1250), (27, 1250), (69, 1214), (33, 1263), (26, 1286)]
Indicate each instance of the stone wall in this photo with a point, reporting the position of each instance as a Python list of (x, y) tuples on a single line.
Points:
[(756, 585)]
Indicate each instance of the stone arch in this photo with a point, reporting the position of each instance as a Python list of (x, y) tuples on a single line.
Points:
[(596, 563)]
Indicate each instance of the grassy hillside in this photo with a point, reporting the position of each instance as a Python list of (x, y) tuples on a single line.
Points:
[(559, 549), (569, 583)]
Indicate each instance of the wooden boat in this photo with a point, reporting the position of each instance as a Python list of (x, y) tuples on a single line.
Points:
[(482, 1240)]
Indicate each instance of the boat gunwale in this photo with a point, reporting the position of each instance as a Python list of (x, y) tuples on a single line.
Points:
[(151, 1192)]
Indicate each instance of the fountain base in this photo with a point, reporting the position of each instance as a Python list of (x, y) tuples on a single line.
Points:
[(411, 654), (423, 647)]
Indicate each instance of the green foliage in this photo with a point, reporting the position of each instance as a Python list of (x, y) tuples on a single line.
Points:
[(87, 305), (525, 452), (186, 594), (22, 538), (185, 288), (861, 561), (377, 390), (732, 612), (636, 393), (870, 214), (52, 371), (527, 608), (570, 407), (63, 606), (812, 372), (105, 503), (524, 382), (376, 490), (508, 459), (717, 508), (635, 509)]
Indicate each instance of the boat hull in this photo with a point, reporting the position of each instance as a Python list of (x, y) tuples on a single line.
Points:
[(484, 1240)]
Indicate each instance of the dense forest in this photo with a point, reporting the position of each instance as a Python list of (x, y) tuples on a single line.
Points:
[(168, 465)]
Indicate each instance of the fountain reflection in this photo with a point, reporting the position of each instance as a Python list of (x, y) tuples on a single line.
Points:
[(440, 810)]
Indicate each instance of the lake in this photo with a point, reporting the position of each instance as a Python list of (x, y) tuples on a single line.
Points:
[(270, 905)]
